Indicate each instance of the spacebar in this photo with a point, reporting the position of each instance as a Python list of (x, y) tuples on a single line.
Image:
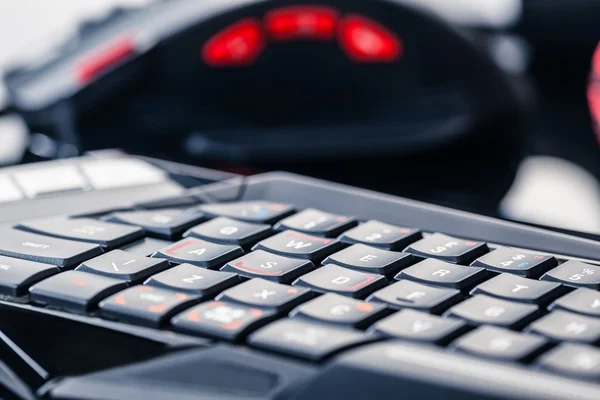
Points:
[(399, 371)]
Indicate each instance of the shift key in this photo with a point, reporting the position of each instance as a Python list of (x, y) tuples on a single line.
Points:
[(44, 249)]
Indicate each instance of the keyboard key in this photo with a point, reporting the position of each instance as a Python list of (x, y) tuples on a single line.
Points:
[(164, 223), (119, 264), (199, 252), (146, 247), (447, 248), (260, 264), (565, 326), (394, 370), (515, 288), (379, 234), (229, 231), (221, 320), (306, 340), (370, 259), (145, 305), (332, 278), (341, 310), (506, 259), (17, 275), (48, 250), (576, 274), (262, 212), (105, 234), (481, 309), (409, 294), (576, 360), (582, 301), (10, 191), (50, 179), (417, 326), (315, 222), (75, 290), (193, 280), (296, 244), (501, 344), (261, 293), (439, 273), (113, 173)]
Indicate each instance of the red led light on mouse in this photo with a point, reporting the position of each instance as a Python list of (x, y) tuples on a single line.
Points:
[(238, 44), (299, 22), (366, 40)]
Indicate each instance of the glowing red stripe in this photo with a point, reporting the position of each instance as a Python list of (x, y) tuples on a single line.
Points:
[(172, 250), (368, 280), (103, 58), (593, 92), (296, 22), (241, 266)]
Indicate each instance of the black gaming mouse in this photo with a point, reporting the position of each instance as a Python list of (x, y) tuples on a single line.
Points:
[(244, 79), (351, 90)]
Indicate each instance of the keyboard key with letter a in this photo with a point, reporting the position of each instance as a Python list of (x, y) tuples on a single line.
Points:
[(199, 252)]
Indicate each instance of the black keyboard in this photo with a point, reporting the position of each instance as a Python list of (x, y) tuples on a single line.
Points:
[(286, 287)]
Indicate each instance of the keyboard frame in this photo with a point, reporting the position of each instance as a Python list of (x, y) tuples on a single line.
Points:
[(363, 204), (305, 192)]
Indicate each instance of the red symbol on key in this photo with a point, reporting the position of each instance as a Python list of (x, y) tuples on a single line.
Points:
[(367, 280), (277, 207), (240, 265), (157, 308), (120, 300), (181, 296), (232, 326), (255, 313), (538, 257), (193, 316), (172, 250), (78, 282), (364, 307), (471, 244)]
